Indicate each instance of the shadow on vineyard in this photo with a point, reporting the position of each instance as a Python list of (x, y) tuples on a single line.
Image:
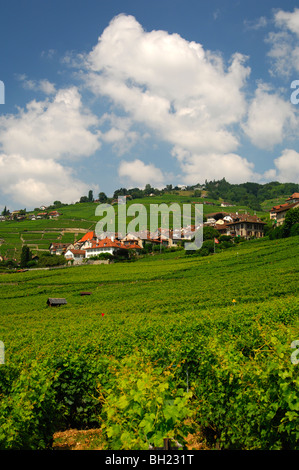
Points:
[(194, 349)]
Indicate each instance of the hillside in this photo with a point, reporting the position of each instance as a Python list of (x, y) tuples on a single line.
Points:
[(75, 219), (162, 333)]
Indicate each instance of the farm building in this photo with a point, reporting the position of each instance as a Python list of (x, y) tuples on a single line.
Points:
[(56, 302)]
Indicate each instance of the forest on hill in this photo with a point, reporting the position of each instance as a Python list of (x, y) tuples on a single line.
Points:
[(247, 194)]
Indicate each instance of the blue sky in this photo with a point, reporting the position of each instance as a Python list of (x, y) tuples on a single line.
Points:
[(108, 94)]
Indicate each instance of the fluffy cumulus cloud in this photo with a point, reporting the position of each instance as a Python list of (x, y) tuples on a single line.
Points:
[(36, 140), (270, 118), (198, 167), (50, 129), (286, 167), (32, 181), (119, 135), (137, 173), (284, 47), (184, 94)]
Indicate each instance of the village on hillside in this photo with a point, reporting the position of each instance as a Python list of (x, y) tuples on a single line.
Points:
[(101, 248), (232, 224)]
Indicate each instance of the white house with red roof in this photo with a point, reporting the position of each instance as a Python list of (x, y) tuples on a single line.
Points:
[(107, 245), (278, 213), (293, 198), (73, 254)]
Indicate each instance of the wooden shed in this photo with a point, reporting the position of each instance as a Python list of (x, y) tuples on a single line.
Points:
[(55, 302)]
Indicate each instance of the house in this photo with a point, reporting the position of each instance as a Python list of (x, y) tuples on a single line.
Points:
[(293, 198), (274, 210), (246, 226), (72, 254), (131, 239), (59, 248), (56, 302), (107, 245), (223, 229), (53, 214), (281, 213), (226, 204)]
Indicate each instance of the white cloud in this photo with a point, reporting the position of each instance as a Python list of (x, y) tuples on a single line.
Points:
[(256, 24), (270, 118), (288, 20), (35, 139), (119, 135), (287, 167), (138, 173), (284, 48), (44, 85), (50, 129), (32, 181), (186, 95), (210, 166)]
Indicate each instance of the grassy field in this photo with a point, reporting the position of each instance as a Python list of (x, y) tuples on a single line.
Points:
[(159, 349)]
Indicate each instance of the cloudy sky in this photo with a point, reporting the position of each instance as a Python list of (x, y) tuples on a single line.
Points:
[(107, 94)]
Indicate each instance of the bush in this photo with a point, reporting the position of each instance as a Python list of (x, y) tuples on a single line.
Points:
[(102, 256), (276, 232), (141, 405), (226, 244), (223, 238), (294, 230), (207, 248), (28, 410), (46, 259), (209, 233)]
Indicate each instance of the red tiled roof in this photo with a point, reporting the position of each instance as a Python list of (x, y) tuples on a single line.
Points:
[(87, 236), (106, 243), (253, 219), (287, 207), (132, 246), (275, 208), (60, 245), (78, 252), (294, 196)]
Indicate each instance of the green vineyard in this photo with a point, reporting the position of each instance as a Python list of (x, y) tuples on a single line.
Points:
[(166, 346)]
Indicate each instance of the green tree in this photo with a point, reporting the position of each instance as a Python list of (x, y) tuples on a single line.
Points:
[(102, 197), (209, 233), (291, 218), (120, 192), (148, 190), (26, 256), (5, 211), (90, 196)]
